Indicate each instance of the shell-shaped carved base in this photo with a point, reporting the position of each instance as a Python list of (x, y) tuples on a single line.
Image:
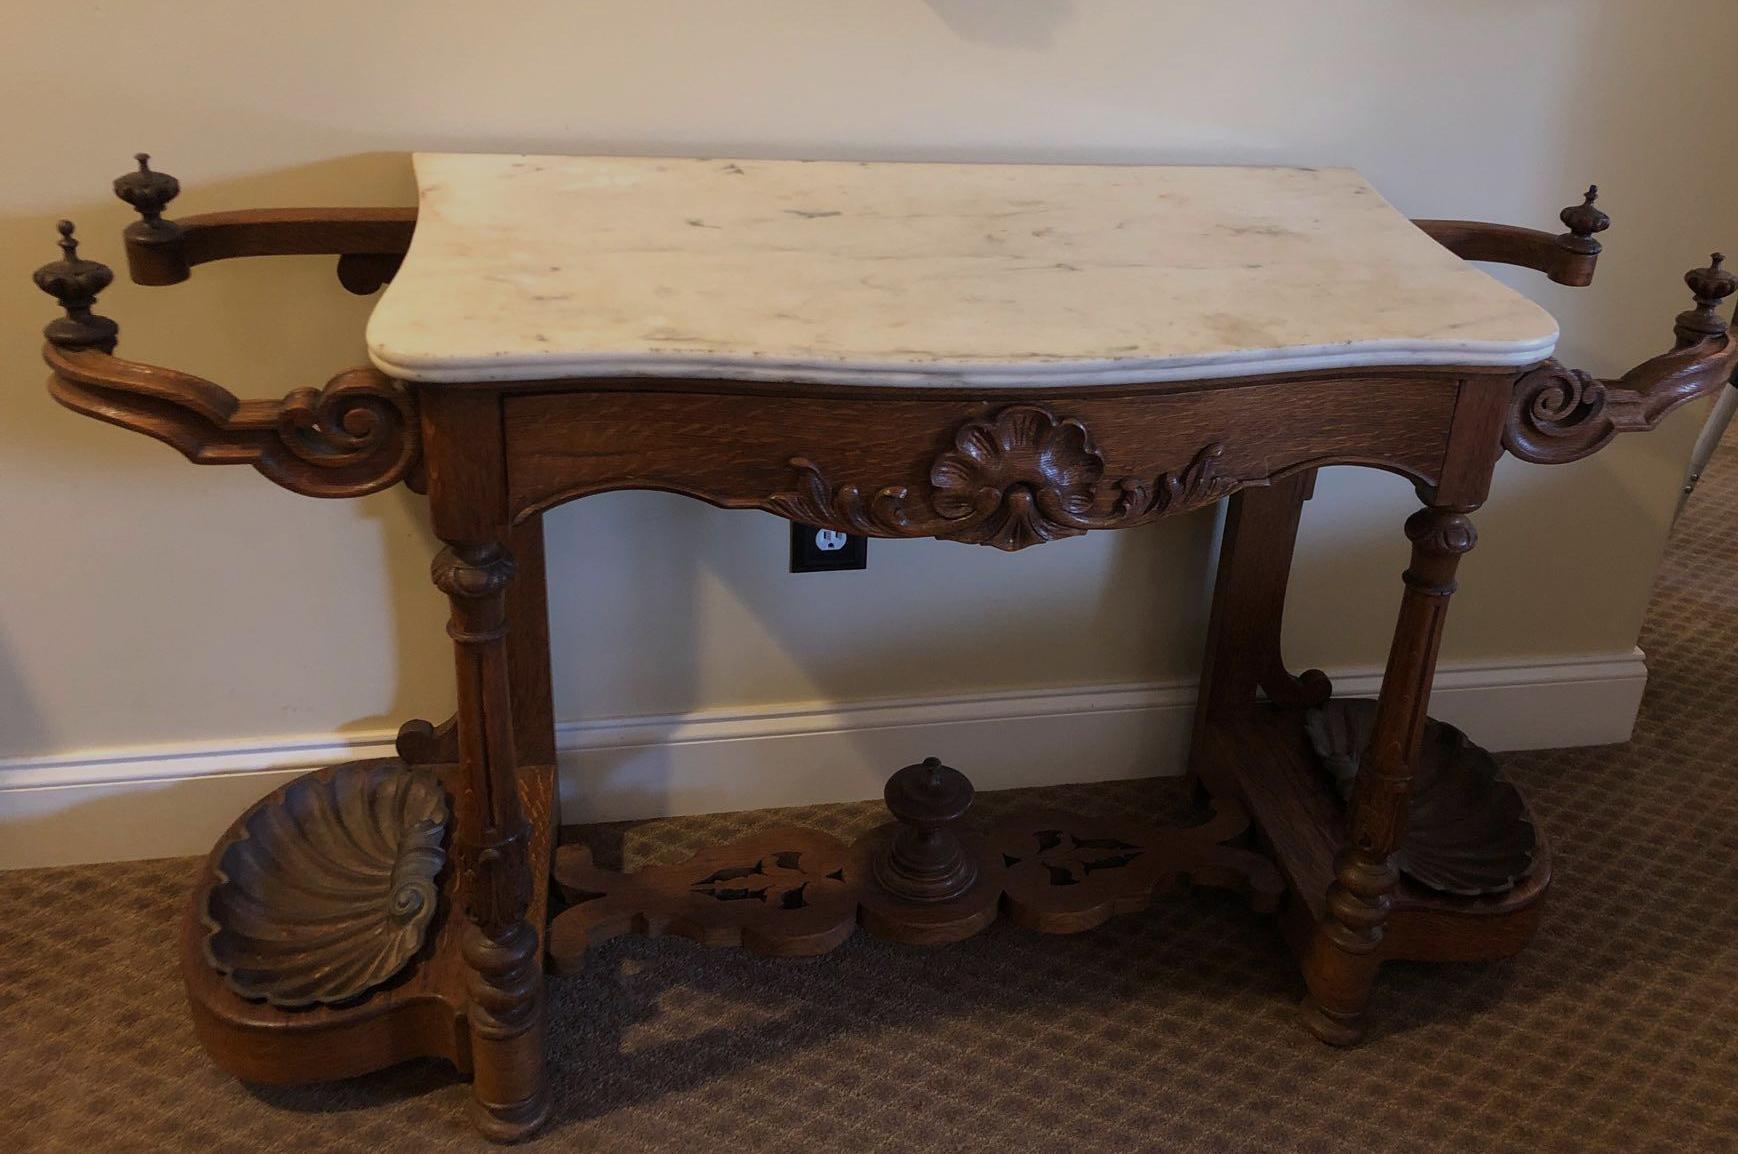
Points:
[(329, 886), (1468, 831)]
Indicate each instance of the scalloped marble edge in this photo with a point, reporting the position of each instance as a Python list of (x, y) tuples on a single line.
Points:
[(1027, 375)]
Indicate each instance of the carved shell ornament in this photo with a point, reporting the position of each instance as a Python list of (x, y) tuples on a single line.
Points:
[(329, 888), (1017, 478), (1021, 475)]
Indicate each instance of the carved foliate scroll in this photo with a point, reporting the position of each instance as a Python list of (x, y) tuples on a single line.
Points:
[(1559, 414), (358, 434), (1018, 478)]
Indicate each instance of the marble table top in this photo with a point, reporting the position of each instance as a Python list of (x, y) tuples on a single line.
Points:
[(544, 267)]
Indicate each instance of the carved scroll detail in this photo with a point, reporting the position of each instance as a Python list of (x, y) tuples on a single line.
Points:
[(1559, 414), (359, 434), (1018, 478)]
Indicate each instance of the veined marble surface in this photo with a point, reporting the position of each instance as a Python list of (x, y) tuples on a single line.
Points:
[(542, 267)]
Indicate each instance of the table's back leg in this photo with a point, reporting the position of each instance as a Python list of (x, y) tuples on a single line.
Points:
[(494, 839), (1243, 632)]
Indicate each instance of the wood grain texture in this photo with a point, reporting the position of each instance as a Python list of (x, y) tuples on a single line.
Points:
[(356, 435), (758, 451)]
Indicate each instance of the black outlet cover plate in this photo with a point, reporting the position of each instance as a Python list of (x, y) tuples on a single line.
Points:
[(808, 555)]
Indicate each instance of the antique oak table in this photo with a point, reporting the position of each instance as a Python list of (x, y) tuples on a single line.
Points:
[(997, 355)]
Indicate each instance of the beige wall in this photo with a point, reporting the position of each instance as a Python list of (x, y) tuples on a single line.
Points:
[(144, 600)]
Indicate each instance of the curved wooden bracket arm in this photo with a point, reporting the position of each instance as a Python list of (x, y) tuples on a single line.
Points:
[(369, 242), (1569, 258), (359, 434), (1559, 414)]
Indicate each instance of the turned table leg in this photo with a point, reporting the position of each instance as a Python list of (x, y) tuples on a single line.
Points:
[(504, 985), (1341, 960)]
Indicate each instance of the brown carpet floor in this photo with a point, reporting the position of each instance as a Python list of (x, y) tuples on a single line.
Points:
[(1168, 1031)]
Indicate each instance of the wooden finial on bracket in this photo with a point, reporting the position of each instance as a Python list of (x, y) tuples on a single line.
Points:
[(75, 283), (153, 243), (1712, 285), (148, 192), (1583, 221)]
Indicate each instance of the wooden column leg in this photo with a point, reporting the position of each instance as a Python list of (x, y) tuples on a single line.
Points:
[(510, 1096), (1341, 960), (1243, 631), (421, 742), (463, 447)]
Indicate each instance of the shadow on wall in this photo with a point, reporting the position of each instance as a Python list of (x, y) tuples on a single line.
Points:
[(23, 725), (147, 599), (1032, 24), (146, 819)]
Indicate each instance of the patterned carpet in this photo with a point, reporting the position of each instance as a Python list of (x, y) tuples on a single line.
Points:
[(1170, 1031)]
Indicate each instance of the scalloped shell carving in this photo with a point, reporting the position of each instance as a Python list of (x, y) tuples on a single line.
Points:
[(1467, 831), (329, 887), (1019, 478)]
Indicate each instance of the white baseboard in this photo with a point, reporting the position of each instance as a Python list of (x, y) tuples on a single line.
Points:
[(160, 801)]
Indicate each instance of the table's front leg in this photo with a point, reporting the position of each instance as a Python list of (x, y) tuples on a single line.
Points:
[(501, 948), (1341, 960)]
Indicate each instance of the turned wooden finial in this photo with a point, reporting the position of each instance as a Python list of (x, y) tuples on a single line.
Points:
[(75, 283), (148, 192), (154, 253), (1583, 221), (925, 861), (1712, 285)]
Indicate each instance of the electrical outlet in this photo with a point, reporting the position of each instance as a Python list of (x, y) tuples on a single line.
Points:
[(826, 550)]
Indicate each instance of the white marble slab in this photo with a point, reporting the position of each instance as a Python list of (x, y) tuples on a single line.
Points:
[(540, 267)]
